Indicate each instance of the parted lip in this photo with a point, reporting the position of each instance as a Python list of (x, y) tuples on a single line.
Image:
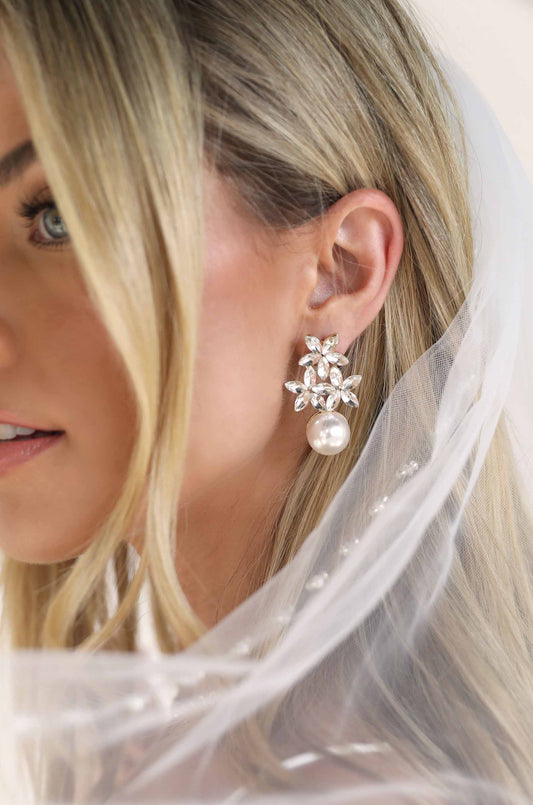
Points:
[(9, 418)]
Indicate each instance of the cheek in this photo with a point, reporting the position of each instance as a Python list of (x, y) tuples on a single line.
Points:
[(239, 374), (51, 506)]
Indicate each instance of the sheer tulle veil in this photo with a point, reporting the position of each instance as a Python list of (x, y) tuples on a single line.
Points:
[(313, 681)]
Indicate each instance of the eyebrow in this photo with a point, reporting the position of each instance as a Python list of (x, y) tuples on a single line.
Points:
[(16, 162)]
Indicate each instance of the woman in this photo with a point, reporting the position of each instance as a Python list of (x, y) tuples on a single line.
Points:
[(263, 200)]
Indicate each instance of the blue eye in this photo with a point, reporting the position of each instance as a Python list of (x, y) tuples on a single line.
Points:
[(29, 210)]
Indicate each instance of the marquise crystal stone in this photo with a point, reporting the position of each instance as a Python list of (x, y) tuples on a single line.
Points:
[(323, 388), (301, 401), (350, 399), (329, 342), (323, 368), (337, 358), (295, 385), (309, 377), (322, 353), (318, 402), (335, 376), (351, 382), (313, 343), (307, 360), (333, 401)]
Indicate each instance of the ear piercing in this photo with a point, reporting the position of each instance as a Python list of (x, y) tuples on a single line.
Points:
[(328, 432)]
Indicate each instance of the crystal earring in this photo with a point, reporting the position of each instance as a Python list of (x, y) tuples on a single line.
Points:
[(328, 432)]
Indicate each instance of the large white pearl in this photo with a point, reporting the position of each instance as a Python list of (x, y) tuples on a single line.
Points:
[(328, 432)]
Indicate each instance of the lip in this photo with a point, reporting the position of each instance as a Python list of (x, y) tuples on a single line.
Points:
[(9, 418), (14, 453)]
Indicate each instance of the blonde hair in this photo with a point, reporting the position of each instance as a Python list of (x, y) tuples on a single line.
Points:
[(295, 103)]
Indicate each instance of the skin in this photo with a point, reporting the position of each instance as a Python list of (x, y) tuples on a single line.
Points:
[(263, 293)]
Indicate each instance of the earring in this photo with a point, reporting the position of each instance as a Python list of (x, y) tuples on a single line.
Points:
[(328, 432)]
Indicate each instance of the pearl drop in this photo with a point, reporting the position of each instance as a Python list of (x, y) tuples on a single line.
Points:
[(328, 432)]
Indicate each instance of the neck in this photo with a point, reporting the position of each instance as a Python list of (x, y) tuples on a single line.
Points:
[(225, 534)]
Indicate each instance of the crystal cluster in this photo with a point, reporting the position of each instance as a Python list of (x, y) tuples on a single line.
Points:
[(324, 396)]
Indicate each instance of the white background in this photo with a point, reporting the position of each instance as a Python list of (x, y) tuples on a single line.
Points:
[(493, 42)]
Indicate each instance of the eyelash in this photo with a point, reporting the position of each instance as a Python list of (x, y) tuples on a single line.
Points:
[(30, 209)]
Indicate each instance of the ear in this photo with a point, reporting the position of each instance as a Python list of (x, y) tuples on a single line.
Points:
[(360, 242)]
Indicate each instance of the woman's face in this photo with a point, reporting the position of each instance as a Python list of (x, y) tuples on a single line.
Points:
[(59, 371)]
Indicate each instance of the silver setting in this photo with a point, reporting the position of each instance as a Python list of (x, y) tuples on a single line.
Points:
[(324, 396)]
